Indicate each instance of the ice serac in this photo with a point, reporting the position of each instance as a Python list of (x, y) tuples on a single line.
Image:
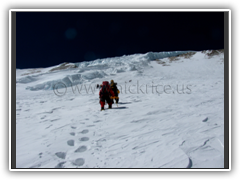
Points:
[(160, 55), (71, 74)]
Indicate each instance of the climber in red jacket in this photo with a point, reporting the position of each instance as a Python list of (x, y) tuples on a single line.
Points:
[(106, 94)]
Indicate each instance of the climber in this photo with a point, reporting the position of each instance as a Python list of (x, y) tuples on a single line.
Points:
[(115, 90), (106, 94)]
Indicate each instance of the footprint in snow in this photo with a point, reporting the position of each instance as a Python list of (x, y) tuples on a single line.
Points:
[(84, 139), (85, 131), (205, 120), (72, 133), (61, 155), (81, 149), (70, 142), (60, 165), (78, 162)]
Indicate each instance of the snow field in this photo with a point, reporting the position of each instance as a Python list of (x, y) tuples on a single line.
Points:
[(181, 126)]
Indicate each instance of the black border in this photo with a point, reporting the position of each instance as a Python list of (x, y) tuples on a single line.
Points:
[(13, 90), (226, 91)]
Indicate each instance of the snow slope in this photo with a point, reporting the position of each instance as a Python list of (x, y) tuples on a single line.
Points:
[(170, 113)]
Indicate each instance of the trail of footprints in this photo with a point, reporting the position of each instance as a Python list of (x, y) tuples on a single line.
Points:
[(71, 142)]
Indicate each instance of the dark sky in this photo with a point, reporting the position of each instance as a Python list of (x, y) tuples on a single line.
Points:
[(49, 38)]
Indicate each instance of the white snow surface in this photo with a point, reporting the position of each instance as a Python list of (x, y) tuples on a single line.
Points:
[(181, 127)]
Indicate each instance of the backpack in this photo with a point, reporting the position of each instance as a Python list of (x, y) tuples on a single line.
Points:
[(114, 88), (105, 88)]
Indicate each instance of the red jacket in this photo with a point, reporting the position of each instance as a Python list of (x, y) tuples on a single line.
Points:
[(106, 90)]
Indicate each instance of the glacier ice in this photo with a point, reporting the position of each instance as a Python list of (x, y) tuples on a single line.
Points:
[(99, 68)]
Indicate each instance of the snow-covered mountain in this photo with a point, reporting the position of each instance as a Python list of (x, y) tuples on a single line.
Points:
[(170, 113)]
